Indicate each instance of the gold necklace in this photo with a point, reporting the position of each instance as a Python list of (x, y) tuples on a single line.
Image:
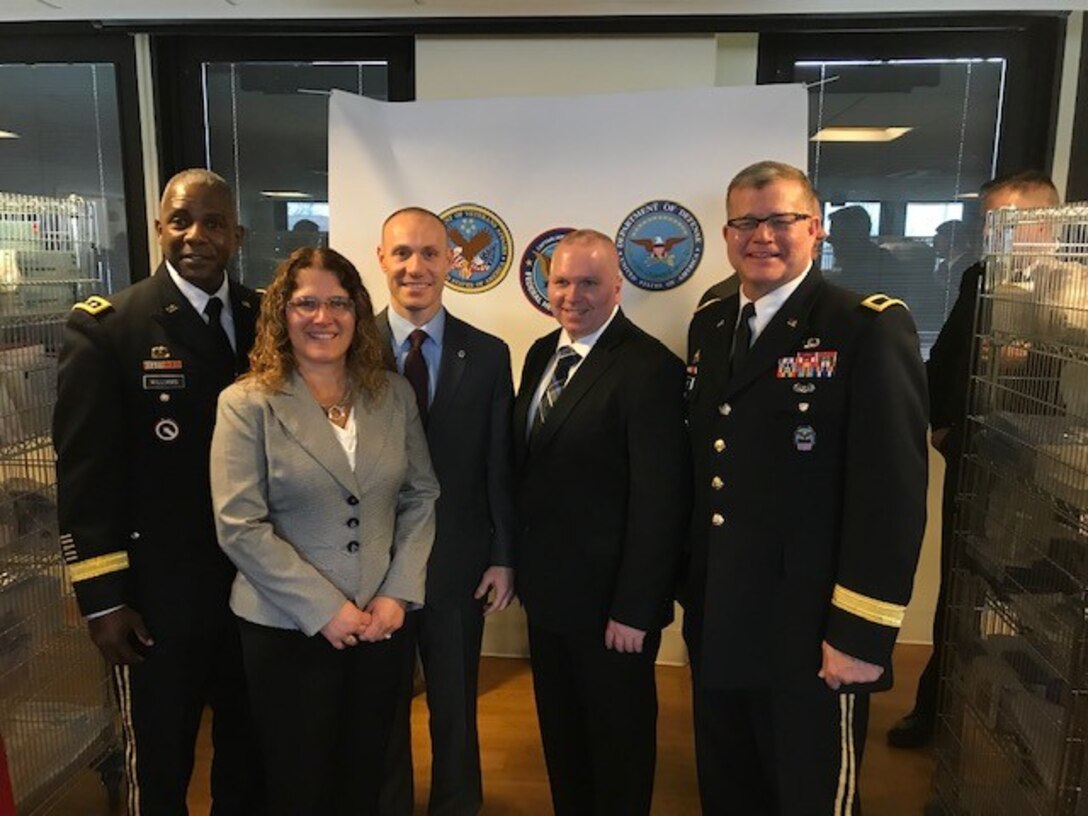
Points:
[(338, 411)]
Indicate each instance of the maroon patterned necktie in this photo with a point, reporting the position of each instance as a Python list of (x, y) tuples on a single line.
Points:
[(415, 371)]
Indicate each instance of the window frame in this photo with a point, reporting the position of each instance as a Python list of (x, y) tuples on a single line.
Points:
[(84, 42), (178, 59), (1031, 44)]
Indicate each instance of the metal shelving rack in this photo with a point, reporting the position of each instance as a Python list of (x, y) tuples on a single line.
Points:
[(56, 718), (1014, 683)]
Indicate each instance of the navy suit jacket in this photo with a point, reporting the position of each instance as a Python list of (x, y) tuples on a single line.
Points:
[(468, 433)]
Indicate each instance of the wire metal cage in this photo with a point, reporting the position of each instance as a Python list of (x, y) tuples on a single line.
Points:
[(1014, 681), (56, 718)]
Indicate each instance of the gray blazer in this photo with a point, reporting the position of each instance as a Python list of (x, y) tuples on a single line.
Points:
[(304, 531)]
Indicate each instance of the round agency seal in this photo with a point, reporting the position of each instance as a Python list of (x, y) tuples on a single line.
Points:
[(660, 244), (482, 248), (536, 264)]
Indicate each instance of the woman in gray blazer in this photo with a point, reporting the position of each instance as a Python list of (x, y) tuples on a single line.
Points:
[(324, 499)]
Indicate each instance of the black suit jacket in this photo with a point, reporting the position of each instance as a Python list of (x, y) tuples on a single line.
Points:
[(603, 488), (810, 497), (468, 433), (949, 365), (138, 379)]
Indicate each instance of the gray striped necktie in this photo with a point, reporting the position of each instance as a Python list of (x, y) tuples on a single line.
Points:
[(566, 359)]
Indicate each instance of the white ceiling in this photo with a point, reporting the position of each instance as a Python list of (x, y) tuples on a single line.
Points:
[(31, 10)]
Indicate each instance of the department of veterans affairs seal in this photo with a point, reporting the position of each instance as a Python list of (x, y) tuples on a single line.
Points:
[(482, 248), (660, 244), (536, 265)]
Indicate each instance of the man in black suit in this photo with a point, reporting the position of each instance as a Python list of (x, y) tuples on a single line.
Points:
[(806, 406), (137, 385), (464, 389), (949, 374), (603, 488)]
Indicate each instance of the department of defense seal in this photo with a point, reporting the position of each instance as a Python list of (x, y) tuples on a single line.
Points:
[(482, 248), (660, 245), (536, 265)]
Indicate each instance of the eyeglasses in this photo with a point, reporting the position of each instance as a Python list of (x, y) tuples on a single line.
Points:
[(336, 306), (779, 222)]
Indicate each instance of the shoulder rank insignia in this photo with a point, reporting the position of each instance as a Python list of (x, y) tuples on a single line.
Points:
[(879, 302), (94, 305)]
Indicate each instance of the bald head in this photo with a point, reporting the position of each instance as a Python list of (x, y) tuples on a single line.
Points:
[(584, 281)]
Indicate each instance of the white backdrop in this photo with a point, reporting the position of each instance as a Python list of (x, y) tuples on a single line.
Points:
[(544, 162)]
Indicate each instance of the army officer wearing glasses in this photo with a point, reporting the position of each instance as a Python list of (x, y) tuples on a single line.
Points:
[(807, 412)]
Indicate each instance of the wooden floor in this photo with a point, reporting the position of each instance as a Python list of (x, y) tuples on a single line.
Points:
[(894, 783)]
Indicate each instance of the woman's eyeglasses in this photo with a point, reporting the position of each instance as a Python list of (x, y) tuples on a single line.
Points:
[(308, 306)]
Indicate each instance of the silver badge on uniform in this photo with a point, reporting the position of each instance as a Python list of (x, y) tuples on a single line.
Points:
[(804, 438), (167, 430)]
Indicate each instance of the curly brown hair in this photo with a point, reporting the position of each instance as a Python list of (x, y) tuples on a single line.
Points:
[(272, 358)]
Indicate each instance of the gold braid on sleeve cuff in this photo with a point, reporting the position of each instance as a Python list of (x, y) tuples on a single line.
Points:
[(866, 608), (97, 567)]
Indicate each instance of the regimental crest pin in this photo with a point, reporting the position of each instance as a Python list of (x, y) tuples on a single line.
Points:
[(804, 438), (159, 352)]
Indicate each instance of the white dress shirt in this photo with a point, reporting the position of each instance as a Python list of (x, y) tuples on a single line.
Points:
[(583, 345), (768, 305), (199, 299)]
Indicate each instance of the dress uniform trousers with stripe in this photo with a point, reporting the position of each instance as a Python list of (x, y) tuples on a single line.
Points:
[(810, 468), (138, 379)]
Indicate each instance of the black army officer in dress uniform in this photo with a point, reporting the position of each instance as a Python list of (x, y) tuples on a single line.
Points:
[(808, 425), (139, 376)]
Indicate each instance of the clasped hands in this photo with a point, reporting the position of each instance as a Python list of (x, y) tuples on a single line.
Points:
[(352, 625)]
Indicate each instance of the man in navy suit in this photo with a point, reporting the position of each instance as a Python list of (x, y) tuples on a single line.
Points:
[(464, 388), (603, 485)]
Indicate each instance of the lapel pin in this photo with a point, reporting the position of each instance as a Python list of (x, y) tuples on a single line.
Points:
[(246, 304), (812, 342), (792, 322), (171, 308), (461, 354), (719, 324), (159, 352)]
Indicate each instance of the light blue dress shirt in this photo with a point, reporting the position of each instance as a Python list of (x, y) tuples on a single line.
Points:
[(431, 348)]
